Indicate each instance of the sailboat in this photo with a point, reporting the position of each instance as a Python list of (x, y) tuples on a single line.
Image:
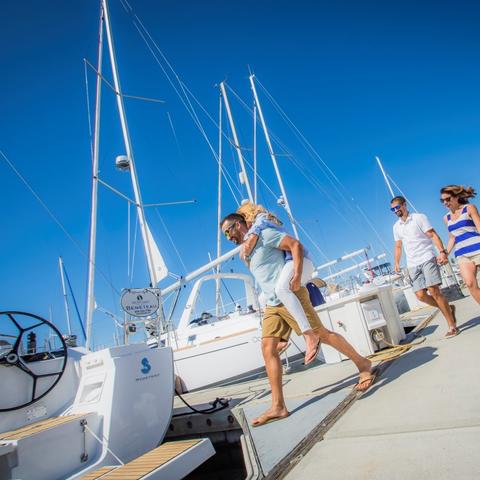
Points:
[(76, 413)]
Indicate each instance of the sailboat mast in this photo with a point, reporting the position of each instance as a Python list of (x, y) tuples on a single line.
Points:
[(273, 157), (129, 151), (236, 142), (64, 290), (387, 182), (218, 297), (254, 153), (94, 194)]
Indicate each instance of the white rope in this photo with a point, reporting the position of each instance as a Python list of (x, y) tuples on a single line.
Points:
[(104, 443)]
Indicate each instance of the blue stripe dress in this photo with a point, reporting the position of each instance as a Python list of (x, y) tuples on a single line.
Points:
[(467, 237)]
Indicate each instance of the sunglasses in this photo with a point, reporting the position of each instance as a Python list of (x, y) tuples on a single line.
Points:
[(227, 231), (396, 208), (445, 199)]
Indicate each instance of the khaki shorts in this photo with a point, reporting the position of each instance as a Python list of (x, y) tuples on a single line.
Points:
[(473, 259), (277, 321)]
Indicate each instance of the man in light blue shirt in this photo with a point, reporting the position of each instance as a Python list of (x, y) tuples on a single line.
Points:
[(266, 262)]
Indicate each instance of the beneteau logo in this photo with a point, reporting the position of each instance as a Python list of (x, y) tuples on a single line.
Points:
[(146, 366), (145, 369)]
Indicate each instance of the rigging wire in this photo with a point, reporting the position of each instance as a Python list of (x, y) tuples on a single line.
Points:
[(54, 218), (80, 321), (89, 115), (144, 33), (315, 181), (319, 160), (171, 241)]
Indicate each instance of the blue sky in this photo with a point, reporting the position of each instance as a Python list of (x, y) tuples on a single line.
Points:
[(394, 79)]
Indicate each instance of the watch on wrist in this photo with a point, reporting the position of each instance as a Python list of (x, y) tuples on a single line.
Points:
[(444, 251)]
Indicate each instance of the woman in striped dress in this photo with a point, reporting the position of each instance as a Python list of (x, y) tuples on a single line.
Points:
[(463, 223)]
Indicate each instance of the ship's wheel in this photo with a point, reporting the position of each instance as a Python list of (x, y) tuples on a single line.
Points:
[(34, 346)]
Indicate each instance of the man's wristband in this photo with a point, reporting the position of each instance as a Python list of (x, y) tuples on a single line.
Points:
[(444, 251)]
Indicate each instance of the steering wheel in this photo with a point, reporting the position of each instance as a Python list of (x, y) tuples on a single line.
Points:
[(13, 357)]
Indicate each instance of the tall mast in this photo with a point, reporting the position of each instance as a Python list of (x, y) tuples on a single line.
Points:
[(129, 151), (385, 177), (218, 297), (94, 194), (64, 290), (254, 152), (273, 157), (236, 142)]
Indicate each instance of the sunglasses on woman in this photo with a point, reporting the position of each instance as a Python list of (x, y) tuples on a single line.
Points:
[(445, 199)]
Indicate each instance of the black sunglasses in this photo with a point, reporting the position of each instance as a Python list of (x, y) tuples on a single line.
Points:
[(445, 199)]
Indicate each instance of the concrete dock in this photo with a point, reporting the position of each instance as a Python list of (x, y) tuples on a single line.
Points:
[(420, 420)]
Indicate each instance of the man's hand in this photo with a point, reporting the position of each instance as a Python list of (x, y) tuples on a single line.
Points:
[(396, 268), (295, 283), (442, 258)]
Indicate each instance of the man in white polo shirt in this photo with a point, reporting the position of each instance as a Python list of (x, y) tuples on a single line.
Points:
[(415, 234)]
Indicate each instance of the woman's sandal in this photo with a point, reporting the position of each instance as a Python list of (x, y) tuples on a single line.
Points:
[(313, 354), (453, 332)]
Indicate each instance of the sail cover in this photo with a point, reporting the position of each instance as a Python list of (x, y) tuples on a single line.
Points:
[(160, 269)]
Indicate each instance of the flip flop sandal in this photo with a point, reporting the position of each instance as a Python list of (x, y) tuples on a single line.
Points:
[(268, 420), (313, 355), (452, 333), (369, 381)]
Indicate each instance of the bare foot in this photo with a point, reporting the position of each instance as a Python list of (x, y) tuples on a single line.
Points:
[(271, 415), (365, 368)]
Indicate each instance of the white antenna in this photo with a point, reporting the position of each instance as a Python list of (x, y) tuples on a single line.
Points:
[(65, 299), (236, 142), (274, 159)]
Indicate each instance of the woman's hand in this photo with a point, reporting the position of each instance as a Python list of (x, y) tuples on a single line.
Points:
[(295, 283)]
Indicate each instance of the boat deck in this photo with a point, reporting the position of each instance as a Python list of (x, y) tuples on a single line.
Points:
[(420, 406)]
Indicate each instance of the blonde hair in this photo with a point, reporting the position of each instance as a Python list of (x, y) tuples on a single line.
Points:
[(249, 212), (460, 192)]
